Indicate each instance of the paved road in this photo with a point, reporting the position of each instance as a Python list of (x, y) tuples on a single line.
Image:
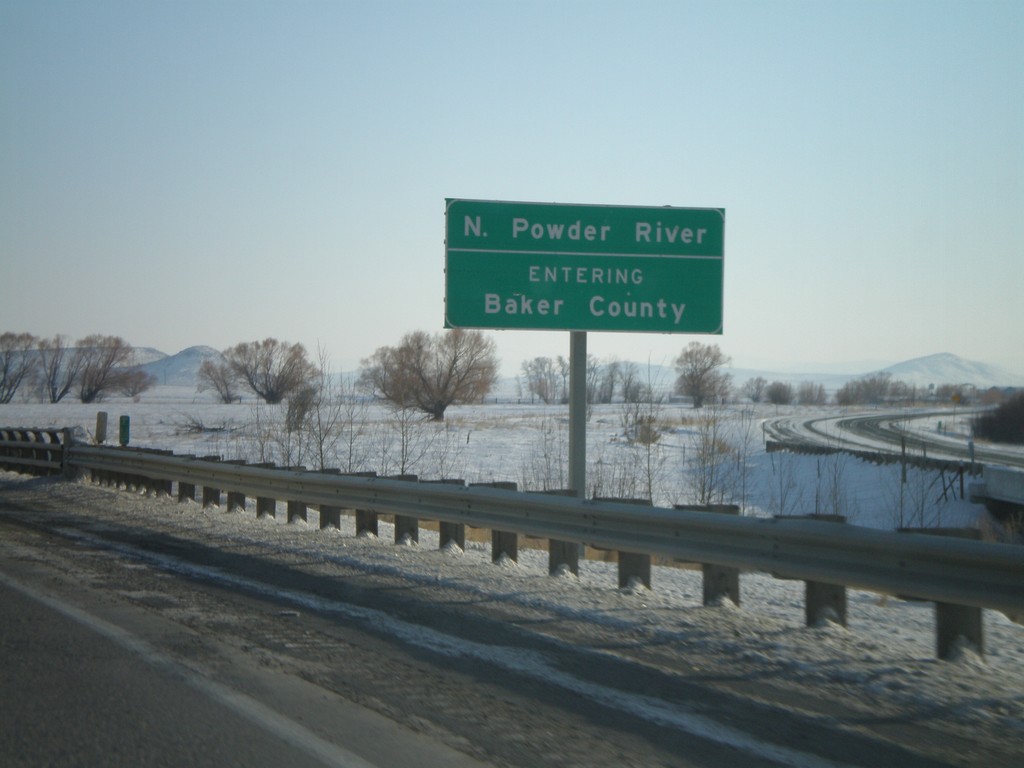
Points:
[(148, 644), (80, 691), (88, 682)]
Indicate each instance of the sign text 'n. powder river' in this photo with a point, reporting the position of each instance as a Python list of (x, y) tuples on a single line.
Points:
[(583, 267)]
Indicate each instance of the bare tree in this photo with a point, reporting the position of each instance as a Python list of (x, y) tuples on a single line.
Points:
[(544, 466), (430, 373), (641, 419), (220, 377), (563, 373), (779, 393), (351, 451), (135, 381), (327, 416), (59, 366), (710, 463), (784, 486), (699, 375), (593, 377), (608, 378), (809, 393), (272, 369), (405, 441), (631, 386), (278, 435), (744, 440), (869, 390), (103, 358), (17, 362), (541, 378), (754, 388)]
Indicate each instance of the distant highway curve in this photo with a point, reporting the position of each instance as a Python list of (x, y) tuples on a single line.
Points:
[(885, 432)]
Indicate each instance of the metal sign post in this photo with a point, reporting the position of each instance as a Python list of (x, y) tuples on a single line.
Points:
[(578, 413)]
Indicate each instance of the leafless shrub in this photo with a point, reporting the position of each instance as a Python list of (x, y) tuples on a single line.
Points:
[(134, 382)]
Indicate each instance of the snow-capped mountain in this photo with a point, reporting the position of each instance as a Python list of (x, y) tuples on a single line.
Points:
[(944, 368)]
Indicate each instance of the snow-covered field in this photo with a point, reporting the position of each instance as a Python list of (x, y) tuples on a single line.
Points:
[(691, 462), (887, 651)]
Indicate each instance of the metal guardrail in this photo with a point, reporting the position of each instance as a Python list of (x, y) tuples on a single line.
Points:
[(949, 570), (953, 572), (33, 451)]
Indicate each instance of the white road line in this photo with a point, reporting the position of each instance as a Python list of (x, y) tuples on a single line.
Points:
[(268, 719)]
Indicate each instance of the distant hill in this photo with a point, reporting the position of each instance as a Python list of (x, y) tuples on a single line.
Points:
[(146, 355), (180, 370), (938, 369), (945, 368)]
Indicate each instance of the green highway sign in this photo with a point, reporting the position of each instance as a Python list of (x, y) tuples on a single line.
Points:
[(571, 267)]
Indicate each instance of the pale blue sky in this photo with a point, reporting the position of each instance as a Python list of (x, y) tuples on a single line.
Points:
[(189, 172)]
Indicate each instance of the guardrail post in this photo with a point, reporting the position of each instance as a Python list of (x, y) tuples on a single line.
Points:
[(67, 468), (822, 601), (632, 565), (503, 542), (236, 501), (330, 515), (186, 491), (211, 496), (24, 452), (562, 554), (153, 485), (407, 528), (295, 508), (719, 581), (137, 483), (266, 507), (367, 522), (955, 624), (41, 453), (450, 533), (296, 511)]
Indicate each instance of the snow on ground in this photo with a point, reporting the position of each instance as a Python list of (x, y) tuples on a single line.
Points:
[(885, 657)]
